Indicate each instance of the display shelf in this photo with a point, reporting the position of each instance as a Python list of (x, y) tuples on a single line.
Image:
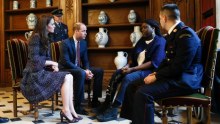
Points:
[(31, 10), (118, 26), (113, 25), (17, 30), (115, 4), (15, 26)]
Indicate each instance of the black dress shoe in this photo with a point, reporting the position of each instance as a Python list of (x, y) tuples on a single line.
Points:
[(3, 120), (62, 115), (100, 109), (95, 104), (81, 110), (108, 115)]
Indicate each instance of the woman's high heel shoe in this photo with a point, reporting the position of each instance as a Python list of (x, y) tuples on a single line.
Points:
[(78, 118), (69, 121)]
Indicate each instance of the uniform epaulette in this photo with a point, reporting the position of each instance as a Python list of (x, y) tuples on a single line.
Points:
[(185, 35), (184, 27)]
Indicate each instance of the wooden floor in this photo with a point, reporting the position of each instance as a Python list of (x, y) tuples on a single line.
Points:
[(47, 118)]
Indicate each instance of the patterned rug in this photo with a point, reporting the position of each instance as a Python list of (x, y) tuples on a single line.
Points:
[(45, 113), (46, 116)]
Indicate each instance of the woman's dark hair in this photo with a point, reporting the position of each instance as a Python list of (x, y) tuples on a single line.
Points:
[(41, 29), (153, 23)]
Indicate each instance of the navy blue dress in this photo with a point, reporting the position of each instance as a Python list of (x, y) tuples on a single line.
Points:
[(38, 84), (155, 52)]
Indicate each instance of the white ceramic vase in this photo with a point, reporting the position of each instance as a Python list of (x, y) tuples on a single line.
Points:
[(121, 59), (132, 17), (48, 3), (136, 35), (33, 3), (101, 37), (112, 0), (15, 4), (102, 18), (27, 35), (31, 20)]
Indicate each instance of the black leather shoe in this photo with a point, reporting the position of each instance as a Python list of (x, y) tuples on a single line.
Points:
[(108, 115), (80, 110), (3, 120), (100, 109), (95, 104)]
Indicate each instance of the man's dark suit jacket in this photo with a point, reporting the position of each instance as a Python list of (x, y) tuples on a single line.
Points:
[(67, 62), (68, 56)]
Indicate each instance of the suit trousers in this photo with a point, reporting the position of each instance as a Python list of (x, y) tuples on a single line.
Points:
[(138, 105), (79, 77)]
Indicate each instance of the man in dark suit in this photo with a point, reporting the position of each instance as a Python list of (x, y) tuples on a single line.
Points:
[(74, 58), (179, 74), (61, 30)]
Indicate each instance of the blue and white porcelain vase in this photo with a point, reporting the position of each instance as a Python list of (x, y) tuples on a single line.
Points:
[(132, 17), (101, 37), (136, 35), (102, 18), (27, 35), (33, 3), (112, 0), (15, 4), (48, 3), (31, 20)]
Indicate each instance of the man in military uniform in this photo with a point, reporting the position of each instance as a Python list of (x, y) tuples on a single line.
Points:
[(179, 74), (61, 30)]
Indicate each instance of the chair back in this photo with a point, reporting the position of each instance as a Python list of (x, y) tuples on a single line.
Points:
[(209, 38), (18, 55), (55, 51)]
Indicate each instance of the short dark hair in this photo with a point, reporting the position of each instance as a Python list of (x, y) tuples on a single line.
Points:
[(171, 11)]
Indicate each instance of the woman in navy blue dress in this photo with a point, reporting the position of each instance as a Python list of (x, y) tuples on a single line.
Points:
[(146, 56), (39, 83)]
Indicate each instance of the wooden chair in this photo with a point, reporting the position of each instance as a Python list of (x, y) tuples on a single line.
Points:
[(55, 55), (209, 37), (18, 55), (17, 64)]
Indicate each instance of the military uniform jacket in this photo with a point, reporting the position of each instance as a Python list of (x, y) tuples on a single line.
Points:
[(60, 32), (183, 58)]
